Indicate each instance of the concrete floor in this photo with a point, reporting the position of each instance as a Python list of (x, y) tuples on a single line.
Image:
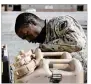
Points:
[(14, 43)]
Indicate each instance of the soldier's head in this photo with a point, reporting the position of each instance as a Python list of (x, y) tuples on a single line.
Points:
[(28, 26)]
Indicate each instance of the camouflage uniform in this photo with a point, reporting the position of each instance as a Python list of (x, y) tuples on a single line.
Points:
[(64, 33)]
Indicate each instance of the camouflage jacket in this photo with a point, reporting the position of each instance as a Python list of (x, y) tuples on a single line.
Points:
[(64, 33)]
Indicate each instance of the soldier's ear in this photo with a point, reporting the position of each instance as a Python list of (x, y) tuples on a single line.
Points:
[(64, 24), (32, 22)]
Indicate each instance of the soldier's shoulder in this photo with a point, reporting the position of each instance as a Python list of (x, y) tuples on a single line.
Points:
[(56, 18), (60, 18)]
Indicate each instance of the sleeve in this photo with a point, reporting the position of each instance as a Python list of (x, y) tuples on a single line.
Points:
[(59, 47)]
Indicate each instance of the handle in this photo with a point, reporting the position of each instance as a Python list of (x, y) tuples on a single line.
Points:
[(46, 63), (39, 55)]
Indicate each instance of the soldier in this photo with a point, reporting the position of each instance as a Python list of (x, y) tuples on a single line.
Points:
[(62, 34)]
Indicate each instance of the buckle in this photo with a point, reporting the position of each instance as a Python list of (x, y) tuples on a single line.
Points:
[(56, 76)]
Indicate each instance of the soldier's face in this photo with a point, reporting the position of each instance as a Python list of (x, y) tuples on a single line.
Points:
[(28, 33)]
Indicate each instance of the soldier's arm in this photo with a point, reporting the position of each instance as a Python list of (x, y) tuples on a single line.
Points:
[(60, 47), (70, 43)]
